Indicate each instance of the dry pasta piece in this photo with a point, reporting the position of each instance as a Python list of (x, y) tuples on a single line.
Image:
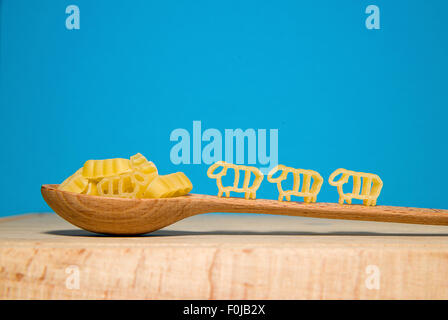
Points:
[(144, 167), (108, 187), (184, 184), (75, 183), (145, 172), (366, 186), (126, 178), (159, 188), (170, 185), (142, 180), (140, 163), (249, 191), (311, 183), (122, 186), (126, 185), (92, 189), (96, 169)]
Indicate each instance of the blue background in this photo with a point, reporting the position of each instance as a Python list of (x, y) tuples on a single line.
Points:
[(340, 95)]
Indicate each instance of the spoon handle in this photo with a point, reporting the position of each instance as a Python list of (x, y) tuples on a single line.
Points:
[(207, 204)]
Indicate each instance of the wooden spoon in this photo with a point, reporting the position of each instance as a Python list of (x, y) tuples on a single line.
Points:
[(137, 216)]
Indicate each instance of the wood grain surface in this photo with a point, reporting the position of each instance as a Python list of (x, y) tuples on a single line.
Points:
[(225, 256)]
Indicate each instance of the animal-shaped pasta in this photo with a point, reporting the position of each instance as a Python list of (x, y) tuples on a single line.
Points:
[(75, 183), (144, 171), (249, 191), (92, 189), (127, 185), (126, 178), (139, 163), (170, 185), (368, 192), (95, 169), (311, 183)]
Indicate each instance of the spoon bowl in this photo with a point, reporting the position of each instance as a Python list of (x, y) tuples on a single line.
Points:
[(121, 216)]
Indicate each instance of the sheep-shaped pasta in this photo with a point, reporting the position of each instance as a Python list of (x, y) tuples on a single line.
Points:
[(369, 192), (126, 185), (249, 191), (312, 182)]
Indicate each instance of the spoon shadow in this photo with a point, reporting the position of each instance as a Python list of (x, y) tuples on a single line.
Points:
[(178, 233)]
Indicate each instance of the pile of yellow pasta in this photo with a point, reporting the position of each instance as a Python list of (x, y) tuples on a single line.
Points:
[(126, 178)]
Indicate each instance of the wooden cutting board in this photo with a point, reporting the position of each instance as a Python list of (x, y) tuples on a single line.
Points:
[(225, 256)]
